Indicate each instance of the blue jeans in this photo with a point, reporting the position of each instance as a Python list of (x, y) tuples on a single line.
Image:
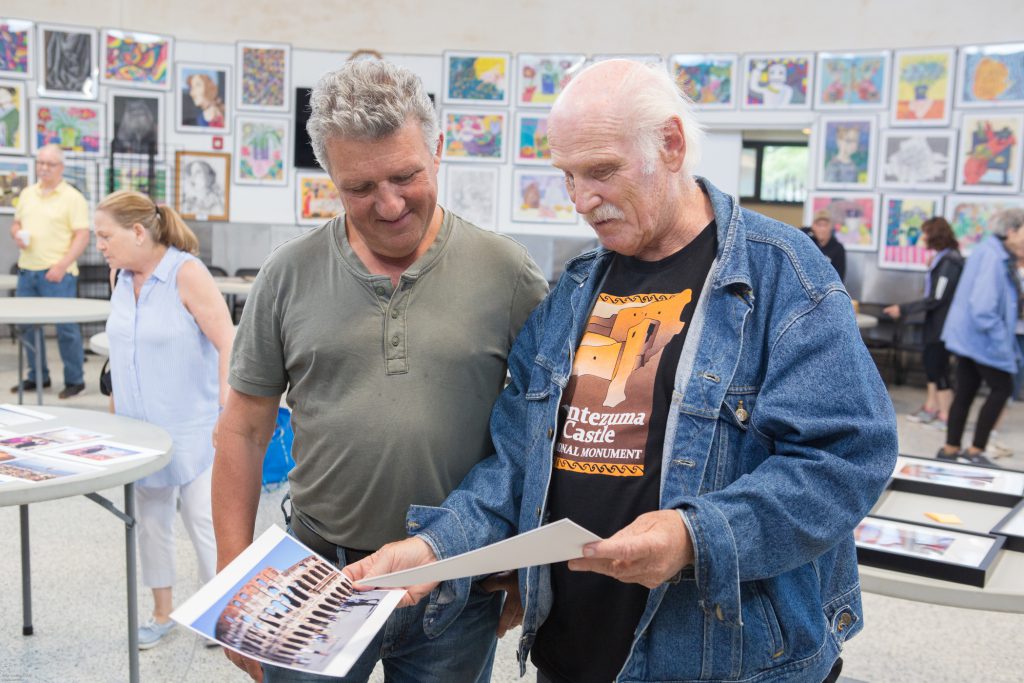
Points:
[(1018, 381), (464, 652), (69, 335)]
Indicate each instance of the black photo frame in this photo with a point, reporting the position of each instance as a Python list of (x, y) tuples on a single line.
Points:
[(973, 483), (1011, 527)]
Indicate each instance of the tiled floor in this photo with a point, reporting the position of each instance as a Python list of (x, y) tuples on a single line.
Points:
[(78, 582)]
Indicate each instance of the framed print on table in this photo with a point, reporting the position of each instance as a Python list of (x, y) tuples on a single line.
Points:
[(854, 217), (12, 117), (69, 62), (971, 215), (1012, 528), (990, 154), (902, 240), (15, 175), (924, 550), (845, 157), (852, 80), (540, 78), (917, 159), (264, 76), (930, 477), (140, 60), (317, 199), (75, 126), (707, 79), (203, 183), (474, 135), (477, 78), (777, 81), (540, 196), (922, 87), (202, 102), (261, 150), (531, 146), (471, 191), (17, 48), (991, 76), (136, 122)]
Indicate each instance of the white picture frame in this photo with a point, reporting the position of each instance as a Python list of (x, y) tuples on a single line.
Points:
[(146, 77), (62, 73), (917, 158), (703, 97), (475, 135), (14, 129), (471, 191), (130, 124), (27, 29), (794, 91), (255, 137), (907, 252), (915, 94), (193, 117), (263, 85), (1010, 78), (981, 154), (540, 196), (874, 66), (489, 85), (845, 152), (12, 170), (90, 135)]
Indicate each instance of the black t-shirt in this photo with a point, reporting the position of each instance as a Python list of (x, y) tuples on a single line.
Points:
[(608, 452)]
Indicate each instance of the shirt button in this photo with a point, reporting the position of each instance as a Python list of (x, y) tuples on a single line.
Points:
[(379, 290), (394, 314), (551, 432), (394, 340)]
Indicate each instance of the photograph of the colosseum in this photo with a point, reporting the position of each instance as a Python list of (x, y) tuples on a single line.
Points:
[(280, 603)]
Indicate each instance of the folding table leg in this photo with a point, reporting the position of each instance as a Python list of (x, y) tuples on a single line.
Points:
[(26, 575)]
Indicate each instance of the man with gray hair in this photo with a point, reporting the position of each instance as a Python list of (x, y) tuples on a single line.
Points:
[(389, 327), (696, 393)]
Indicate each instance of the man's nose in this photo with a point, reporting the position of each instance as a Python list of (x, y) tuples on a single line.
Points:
[(389, 204)]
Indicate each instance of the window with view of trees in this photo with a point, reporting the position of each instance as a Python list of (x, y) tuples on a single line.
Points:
[(774, 172)]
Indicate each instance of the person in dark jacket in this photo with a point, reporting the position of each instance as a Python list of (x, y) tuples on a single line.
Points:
[(940, 283), (824, 236)]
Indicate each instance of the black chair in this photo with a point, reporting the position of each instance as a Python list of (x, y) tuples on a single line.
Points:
[(94, 281), (236, 309)]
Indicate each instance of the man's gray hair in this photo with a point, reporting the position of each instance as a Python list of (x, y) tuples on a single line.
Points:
[(1005, 221), (368, 100), (55, 149)]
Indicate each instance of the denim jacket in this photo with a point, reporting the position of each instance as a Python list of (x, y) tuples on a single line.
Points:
[(769, 493)]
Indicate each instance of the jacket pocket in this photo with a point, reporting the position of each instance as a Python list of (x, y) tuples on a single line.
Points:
[(725, 464)]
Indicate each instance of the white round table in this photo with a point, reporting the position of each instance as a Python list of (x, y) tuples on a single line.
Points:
[(122, 430), (865, 321), (100, 344), (233, 285), (38, 311), (8, 281)]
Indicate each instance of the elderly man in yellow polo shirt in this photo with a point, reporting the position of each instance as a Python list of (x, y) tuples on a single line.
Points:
[(51, 227)]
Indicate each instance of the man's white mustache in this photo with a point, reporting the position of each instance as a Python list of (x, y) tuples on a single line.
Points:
[(605, 212)]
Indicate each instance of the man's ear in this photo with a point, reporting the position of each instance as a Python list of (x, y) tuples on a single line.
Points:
[(673, 143)]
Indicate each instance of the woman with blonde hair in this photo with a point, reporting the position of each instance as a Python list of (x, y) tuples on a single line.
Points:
[(170, 341)]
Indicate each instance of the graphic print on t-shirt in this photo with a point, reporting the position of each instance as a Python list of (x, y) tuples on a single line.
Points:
[(605, 424)]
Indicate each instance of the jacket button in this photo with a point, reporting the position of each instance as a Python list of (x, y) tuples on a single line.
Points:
[(551, 432), (844, 621), (718, 613), (538, 512)]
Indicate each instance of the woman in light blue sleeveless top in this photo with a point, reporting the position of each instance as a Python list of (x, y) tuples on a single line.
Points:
[(170, 339)]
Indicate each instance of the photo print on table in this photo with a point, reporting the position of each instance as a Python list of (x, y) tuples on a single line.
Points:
[(37, 468), (101, 453), (133, 59)]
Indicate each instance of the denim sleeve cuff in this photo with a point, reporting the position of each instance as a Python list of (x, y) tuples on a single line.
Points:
[(441, 529), (715, 560)]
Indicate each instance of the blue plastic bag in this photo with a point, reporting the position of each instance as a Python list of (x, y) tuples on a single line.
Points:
[(278, 462)]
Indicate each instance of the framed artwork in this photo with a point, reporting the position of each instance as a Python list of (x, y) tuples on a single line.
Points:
[(540, 196), (990, 156), (854, 217), (15, 175), (477, 78), (925, 550), (75, 126), (707, 79), (264, 76), (650, 60), (991, 76), (970, 216), (12, 117), (317, 199), (846, 152), (136, 122), (532, 138), (917, 159), (852, 80), (69, 62), (474, 135), (902, 244), (778, 81), (141, 60), (129, 174), (541, 78), (17, 48), (261, 150), (922, 87), (1012, 528), (82, 175), (202, 98), (931, 477), (203, 183), (471, 191)]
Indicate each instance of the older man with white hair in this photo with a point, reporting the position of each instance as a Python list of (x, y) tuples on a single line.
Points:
[(695, 392)]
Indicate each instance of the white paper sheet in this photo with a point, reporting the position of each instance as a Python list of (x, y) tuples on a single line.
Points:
[(558, 542)]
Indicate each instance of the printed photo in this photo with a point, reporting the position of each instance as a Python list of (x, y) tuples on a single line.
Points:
[(707, 79), (26, 442), (101, 453), (471, 192), (36, 469), (477, 78), (915, 540), (474, 135), (203, 183), (70, 435), (140, 60), (202, 98), (11, 415)]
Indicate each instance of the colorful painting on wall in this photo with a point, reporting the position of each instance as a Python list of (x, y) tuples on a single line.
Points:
[(69, 61), (17, 48), (532, 139), (845, 157), (990, 153), (903, 244), (317, 200), (477, 78), (471, 191), (15, 175), (778, 81), (136, 122), (854, 80), (261, 148), (917, 159), (541, 77), (991, 76), (970, 216), (75, 126), (474, 135), (541, 197), (202, 99), (264, 80), (922, 87), (854, 217), (137, 59), (707, 79), (132, 176), (12, 117)]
